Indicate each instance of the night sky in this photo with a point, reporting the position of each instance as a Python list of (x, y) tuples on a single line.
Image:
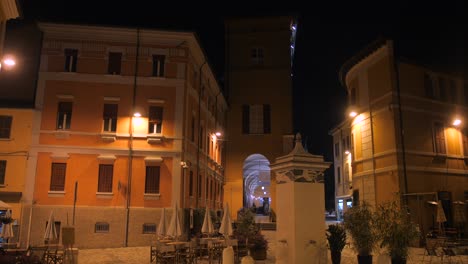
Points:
[(328, 35)]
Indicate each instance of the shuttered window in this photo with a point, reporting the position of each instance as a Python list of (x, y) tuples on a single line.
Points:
[(152, 179), (110, 117), (158, 65), (106, 172), (64, 115), (439, 138), (256, 119), (115, 62), (57, 178), (2, 171), (71, 57), (155, 119), (5, 126)]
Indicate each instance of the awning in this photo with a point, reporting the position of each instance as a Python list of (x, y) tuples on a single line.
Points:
[(10, 196), (4, 206)]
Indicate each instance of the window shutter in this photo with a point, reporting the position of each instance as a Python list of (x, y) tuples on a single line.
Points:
[(245, 119), (110, 111), (266, 119), (155, 114)]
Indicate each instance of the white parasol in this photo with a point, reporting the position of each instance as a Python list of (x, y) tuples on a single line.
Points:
[(226, 223), (162, 227), (174, 226), (207, 226), (50, 232)]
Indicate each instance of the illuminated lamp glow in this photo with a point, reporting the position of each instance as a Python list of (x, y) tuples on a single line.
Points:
[(456, 122), (263, 187), (293, 27), (9, 62), (352, 114), (218, 134), (137, 114), (347, 152), (264, 192)]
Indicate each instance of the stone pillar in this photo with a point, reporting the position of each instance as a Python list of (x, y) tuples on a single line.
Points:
[(300, 223)]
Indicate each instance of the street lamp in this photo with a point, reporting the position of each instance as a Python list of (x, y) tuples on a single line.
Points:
[(7, 62)]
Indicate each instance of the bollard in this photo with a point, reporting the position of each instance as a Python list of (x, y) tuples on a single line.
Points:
[(247, 260), (228, 255)]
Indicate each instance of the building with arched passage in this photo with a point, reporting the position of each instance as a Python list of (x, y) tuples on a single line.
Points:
[(258, 83)]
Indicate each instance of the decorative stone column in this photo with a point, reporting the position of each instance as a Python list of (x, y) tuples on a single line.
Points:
[(300, 223)]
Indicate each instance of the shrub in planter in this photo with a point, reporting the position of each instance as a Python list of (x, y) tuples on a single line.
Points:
[(395, 230), (359, 222), (336, 237)]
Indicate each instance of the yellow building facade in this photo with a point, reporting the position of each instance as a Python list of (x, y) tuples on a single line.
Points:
[(258, 82), (406, 137), (125, 126)]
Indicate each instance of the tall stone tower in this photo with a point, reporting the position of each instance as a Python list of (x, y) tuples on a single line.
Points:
[(259, 54)]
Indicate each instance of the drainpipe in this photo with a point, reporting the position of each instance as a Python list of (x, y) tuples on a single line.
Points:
[(199, 136), (401, 130), (130, 143)]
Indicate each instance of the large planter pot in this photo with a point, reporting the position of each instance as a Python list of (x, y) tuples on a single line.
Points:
[(258, 253), (364, 259), (398, 260), (336, 257)]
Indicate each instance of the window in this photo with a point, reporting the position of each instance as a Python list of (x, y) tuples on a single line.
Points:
[(439, 138), (442, 89), (199, 186), (191, 184), (200, 137), (110, 117), (452, 91), (338, 175), (106, 172), (5, 126), (64, 115), (57, 178), (155, 119), (465, 141), (2, 171), (101, 227), (428, 86), (158, 65), (337, 149), (115, 61), (192, 127), (465, 90), (256, 56), (71, 56), (149, 228), (152, 179), (352, 96), (256, 119)]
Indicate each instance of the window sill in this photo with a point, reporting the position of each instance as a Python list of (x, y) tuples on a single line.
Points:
[(3, 185), (151, 196), (154, 138), (62, 134), (108, 136), (6, 139), (56, 194), (104, 195)]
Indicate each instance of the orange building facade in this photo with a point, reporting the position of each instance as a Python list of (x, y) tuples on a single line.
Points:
[(115, 141), (406, 137)]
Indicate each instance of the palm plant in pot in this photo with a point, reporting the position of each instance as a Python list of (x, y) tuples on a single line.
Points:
[(359, 222), (336, 237), (395, 230)]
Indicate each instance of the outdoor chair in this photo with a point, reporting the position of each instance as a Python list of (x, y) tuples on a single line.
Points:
[(188, 254), (216, 250), (433, 248), (165, 254)]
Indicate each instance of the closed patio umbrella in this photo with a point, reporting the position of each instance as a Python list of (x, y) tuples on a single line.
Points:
[(174, 226), (50, 232), (207, 226), (459, 216), (7, 228), (162, 227), (440, 217), (226, 223)]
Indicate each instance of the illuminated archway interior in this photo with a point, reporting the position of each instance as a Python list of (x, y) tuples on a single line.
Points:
[(257, 177)]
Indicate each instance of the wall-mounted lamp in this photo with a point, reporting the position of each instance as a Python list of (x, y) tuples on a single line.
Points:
[(218, 134), (456, 122), (137, 114), (352, 114), (347, 152)]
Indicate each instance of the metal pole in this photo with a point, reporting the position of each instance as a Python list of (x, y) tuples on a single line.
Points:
[(74, 202)]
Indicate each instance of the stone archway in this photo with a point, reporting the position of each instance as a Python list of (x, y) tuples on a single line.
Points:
[(256, 182)]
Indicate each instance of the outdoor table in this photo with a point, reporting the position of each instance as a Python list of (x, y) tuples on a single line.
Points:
[(178, 246)]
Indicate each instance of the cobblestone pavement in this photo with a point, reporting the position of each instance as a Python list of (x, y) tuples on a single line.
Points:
[(138, 255)]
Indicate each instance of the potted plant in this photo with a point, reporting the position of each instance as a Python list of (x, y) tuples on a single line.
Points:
[(336, 237), (359, 222), (395, 230), (249, 236)]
